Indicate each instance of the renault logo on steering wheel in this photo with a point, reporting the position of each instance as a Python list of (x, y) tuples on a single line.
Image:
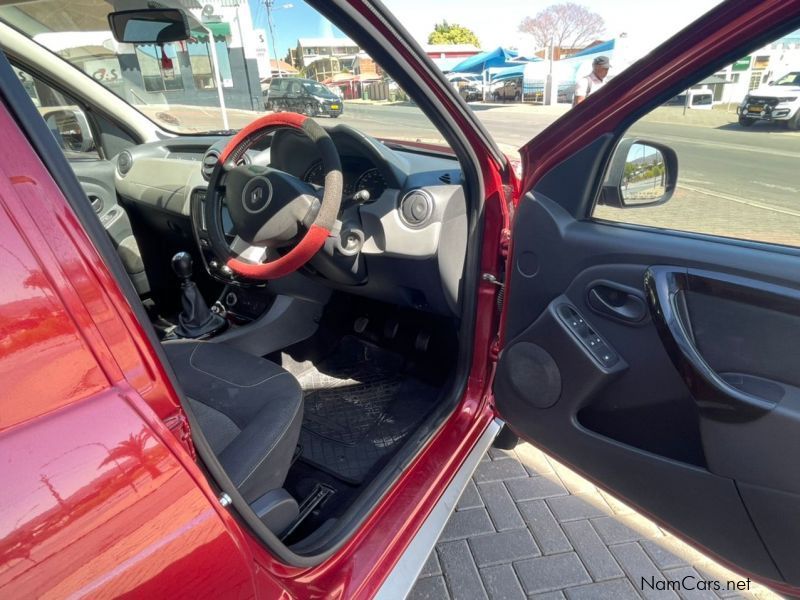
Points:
[(257, 195)]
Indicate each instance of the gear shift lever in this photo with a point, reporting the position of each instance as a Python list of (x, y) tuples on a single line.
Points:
[(196, 319)]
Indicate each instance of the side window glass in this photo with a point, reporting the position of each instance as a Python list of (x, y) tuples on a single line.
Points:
[(721, 158), (64, 117)]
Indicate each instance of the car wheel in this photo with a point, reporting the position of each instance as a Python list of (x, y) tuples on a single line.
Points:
[(270, 105), (746, 122), (496, 97), (517, 97), (794, 122), (310, 109), (335, 116)]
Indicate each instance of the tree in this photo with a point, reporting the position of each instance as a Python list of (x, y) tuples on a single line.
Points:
[(445, 33), (567, 25)]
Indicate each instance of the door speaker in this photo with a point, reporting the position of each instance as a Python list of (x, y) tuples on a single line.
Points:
[(533, 374)]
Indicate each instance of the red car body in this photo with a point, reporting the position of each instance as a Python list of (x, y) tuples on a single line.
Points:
[(98, 465)]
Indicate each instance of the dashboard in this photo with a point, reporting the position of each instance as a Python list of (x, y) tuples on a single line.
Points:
[(403, 242)]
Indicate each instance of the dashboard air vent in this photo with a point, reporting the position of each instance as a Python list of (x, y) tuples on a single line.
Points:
[(210, 161), (124, 162), (446, 178)]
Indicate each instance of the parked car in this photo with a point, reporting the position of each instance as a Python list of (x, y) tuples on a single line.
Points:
[(470, 87), (779, 100), (304, 96), (510, 90), (384, 311)]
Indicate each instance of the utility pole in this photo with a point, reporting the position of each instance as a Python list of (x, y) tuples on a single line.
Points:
[(269, 5)]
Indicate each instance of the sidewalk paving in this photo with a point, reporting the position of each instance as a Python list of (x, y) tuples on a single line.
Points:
[(526, 526)]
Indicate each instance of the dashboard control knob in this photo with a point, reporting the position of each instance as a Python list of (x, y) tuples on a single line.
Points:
[(231, 299)]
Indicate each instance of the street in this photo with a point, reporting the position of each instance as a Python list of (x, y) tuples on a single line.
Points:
[(732, 181)]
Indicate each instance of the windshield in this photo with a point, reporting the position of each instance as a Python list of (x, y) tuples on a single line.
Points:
[(317, 89), (790, 79), (519, 70)]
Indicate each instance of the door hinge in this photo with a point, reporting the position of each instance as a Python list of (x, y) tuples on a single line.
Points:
[(178, 424)]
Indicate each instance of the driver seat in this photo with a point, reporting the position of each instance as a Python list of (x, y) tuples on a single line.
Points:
[(249, 409)]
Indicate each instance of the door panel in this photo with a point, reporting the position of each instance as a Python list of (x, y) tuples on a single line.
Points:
[(97, 180), (689, 410)]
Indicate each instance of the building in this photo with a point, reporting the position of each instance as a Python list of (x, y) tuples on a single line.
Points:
[(173, 73), (731, 84), (446, 56), (323, 58)]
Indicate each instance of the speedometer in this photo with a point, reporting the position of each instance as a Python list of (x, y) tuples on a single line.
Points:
[(315, 174), (372, 181)]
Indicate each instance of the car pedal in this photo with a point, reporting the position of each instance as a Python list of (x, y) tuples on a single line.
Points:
[(315, 499), (422, 341), (391, 328), (360, 324)]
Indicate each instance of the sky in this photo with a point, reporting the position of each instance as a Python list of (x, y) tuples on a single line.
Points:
[(646, 22)]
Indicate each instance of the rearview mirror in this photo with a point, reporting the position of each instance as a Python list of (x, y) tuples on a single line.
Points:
[(149, 26), (641, 173)]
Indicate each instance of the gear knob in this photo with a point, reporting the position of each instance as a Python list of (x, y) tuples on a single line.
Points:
[(182, 265)]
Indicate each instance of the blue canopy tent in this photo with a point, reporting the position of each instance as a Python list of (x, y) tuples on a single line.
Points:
[(499, 57), (598, 49)]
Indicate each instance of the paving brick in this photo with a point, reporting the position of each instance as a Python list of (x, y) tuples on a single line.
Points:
[(498, 470), (572, 481), (544, 527), (501, 583), (573, 507), (691, 578), (502, 511), (470, 498), (431, 566), (592, 551), (549, 573), (638, 567), (661, 556), (618, 507), (498, 454), (466, 523), (618, 589), (533, 459), (460, 572), (535, 488), (548, 596), (614, 531), (429, 588), (506, 547)]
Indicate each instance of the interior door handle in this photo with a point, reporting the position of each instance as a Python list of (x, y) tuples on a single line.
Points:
[(716, 398), (617, 301)]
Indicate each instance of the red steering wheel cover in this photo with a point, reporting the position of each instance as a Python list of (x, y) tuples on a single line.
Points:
[(315, 236), (276, 119)]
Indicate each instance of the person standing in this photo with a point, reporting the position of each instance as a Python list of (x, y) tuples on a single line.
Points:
[(593, 81)]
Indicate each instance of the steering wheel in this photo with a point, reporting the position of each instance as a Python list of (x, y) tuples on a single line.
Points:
[(270, 208)]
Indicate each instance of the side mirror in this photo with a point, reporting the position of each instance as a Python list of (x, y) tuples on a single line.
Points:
[(641, 173), (149, 26), (71, 129)]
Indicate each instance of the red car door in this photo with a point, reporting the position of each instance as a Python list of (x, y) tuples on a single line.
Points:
[(656, 357), (99, 497)]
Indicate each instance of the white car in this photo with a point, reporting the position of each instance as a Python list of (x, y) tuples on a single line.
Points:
[(777, 101)]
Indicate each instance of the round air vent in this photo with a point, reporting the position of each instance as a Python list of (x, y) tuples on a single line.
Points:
[(124, 162), (416, 208), (210, 161)]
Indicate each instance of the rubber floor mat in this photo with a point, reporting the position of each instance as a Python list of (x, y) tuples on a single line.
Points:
[(359, 408)]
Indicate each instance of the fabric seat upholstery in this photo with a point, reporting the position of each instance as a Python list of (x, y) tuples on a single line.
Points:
[(249, 409)]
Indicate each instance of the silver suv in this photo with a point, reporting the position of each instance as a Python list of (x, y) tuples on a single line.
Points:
[(779, 100)]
